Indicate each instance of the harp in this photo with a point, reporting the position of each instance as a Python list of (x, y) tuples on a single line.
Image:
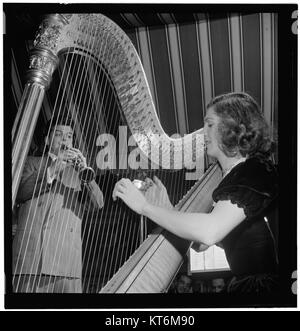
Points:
[(107, 52)]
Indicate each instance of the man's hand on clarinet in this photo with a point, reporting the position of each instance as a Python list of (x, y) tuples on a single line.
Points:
[(75, 155)]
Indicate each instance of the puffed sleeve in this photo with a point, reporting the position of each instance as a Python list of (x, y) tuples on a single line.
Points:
[(252, 185)]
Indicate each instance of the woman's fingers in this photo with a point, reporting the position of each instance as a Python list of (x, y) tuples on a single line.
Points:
[(158, 182), (125, 182), (120, 195), (120, 187), (148, 184), (132, 197), (149, 181), (114, 195)]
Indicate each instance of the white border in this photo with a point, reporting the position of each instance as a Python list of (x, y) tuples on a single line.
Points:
[(2, 275)]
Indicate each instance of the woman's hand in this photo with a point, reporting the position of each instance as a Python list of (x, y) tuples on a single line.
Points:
[(133, 198), (157, 194)]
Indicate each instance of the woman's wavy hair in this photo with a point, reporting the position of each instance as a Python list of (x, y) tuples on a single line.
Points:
[(242, 126)]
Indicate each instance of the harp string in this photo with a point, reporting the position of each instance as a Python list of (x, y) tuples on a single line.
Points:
[(116, 211), (98, 90), (64, 92), (27, 219), (84, 81), (87, 130), (74, 199), (131, 231), (107, 176), (81, 82), (118, 222), (52, 229), (112, 241), (104, 191), (88, 239), (114, 226), (60, 230), (107, 179), (129, 249), (122, 250), (105, 267), (47, 202), (45, 243), (123, 220)]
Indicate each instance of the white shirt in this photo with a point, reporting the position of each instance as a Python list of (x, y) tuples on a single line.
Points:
[(50, 178)]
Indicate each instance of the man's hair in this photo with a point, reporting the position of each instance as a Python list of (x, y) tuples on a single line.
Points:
[(242, 126), (55, 120)]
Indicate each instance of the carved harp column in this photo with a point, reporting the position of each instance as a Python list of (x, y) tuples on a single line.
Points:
[(80, 33), (43, 62)]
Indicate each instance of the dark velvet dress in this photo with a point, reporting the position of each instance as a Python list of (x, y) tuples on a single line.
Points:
[(250, 247)]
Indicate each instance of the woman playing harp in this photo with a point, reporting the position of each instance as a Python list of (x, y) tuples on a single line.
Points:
[(47, 243), (237, 135)]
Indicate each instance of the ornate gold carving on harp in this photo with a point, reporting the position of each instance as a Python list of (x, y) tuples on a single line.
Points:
[(80, 33)]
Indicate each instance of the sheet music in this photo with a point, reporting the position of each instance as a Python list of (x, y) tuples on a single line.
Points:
[(210, 260)]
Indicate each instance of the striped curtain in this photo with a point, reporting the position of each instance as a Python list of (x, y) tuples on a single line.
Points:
[(188, 64)]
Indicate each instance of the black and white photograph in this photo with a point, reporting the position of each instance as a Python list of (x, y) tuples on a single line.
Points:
[(150, 156)]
